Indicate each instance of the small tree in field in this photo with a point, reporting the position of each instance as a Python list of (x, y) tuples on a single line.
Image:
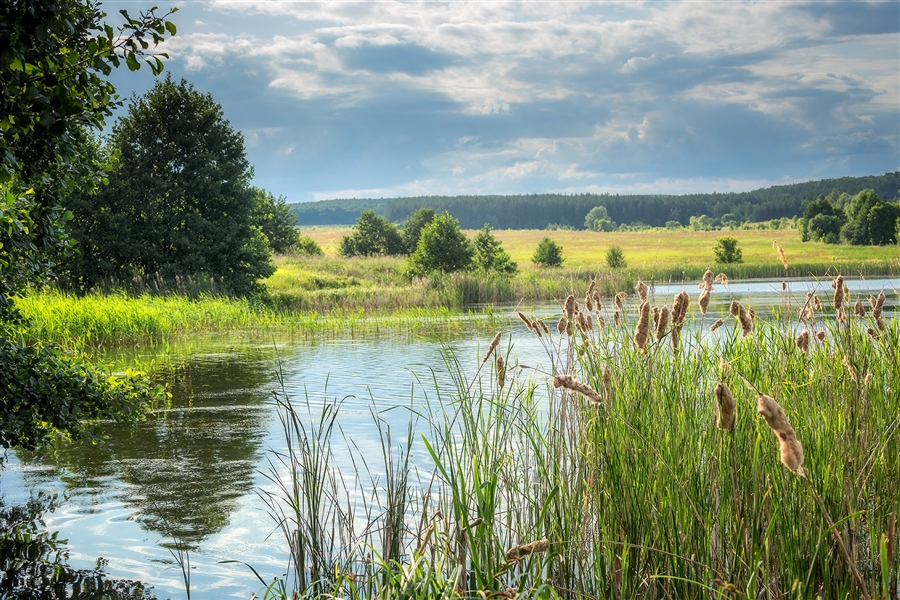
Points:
[(442, 247), (372, 235), (548, 254), (615, 258), (726, 251), (489, 254)]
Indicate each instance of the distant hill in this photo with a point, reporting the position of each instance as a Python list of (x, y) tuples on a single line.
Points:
[(537, 211)]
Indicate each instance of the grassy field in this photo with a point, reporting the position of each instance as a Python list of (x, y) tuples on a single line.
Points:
[(661, 248)]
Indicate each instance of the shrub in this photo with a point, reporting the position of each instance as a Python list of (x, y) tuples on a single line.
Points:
[(726, 251), (442, 247), (548, 254), (372, 235), (412, 227), (615, 258), (307, 245), (489, 254)]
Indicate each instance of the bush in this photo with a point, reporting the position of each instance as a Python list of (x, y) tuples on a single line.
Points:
[(442, 247), (413, 226), (307, 245), (615, 258), (726, 251), (548, 254), (489, 254), (372, 235)]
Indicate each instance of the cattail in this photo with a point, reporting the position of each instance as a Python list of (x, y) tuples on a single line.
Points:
[(679, 307), (619, 298), (841, 316), (525, 320), (873, 301), (641, 289), (726, 407), (803, 341), (716, 325), (590, 289), (807, 312), (601, 322), (517, 553), (858, 309), (596, 297), (878, 307), (494, 343), (707, 280), (734, 308), (850, 369), (536, 328), (867, 379), (783, 286), (675, 336), (722, 278), (568, 382), (588, 303), (703, 301), (872, 333), (564, 326), (569, 307), (742, 316), (501, 371), (791, 450), (838, 285), (655, 315), (880, 323), (820, 335), (642, 332), (817, 304), (607, 380), (662, 323), (543, 325), (781, 254), (616, 318)]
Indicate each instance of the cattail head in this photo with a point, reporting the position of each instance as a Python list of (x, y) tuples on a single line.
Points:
[(858, 309), (703, 301), (716, 325), (494, 343), (543, 325), (743, 317), (617, 319), (820, 335), (878, 307), (564, 326), (589, 303), (642, 331), (662, 323), (640, 289), (781, 254), (607, 380), (726, 407), (789, 446), (675, 336), (734, 308), (870, 331), (784, 286), (803, 340), (849, 367), (590, 289), (619, 297), (588, 323), (838, 285), (518, 553), (501, 371), (679, 307), (569, 307), (879, 322), (601, 322), (536, 328), (707, 280), (570, 383), (596, 297), (525, 320), (817, 304), (655, 315), (722, 278)]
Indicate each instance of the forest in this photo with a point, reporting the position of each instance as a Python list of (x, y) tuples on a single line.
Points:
[(540, 211)]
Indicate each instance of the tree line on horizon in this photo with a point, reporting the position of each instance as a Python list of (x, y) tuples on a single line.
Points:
[(540, 211)]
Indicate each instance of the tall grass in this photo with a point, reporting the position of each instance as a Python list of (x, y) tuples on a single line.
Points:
[(637, 496)]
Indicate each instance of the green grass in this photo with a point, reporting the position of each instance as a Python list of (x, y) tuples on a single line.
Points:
[(639, 496)]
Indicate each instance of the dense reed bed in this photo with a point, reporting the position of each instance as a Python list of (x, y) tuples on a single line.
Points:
[(739, 463)]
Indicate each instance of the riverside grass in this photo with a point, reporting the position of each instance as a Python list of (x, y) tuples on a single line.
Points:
[(637, 493)]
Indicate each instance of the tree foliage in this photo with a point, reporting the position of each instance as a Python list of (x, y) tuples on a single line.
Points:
[(598, 219), (822, 220), (276, 221), (442, 247), (615, 258), (412, 227), (372, 235), (179, 201), (870, 221), (547, 254), (488, 254), (726, 251)]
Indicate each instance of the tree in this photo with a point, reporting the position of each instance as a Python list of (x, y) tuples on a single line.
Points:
[(179, 199), (725, 251), (821, 220), (442, 247), (307, 245), (615, 258), (273, 216), (372, 235), (489, 255), (412, 227), (869, 220), (598, 219), (53, 63), (547, 254)]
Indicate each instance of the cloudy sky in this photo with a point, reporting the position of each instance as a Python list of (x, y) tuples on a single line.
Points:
[(370, 99)]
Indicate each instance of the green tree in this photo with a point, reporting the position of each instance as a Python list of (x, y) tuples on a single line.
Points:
[(489, 255), (307, 245), (273, 216), (869, 220), (547, 254), (372, 235), (615, 258), (55, 56), (821, 220), (179, 201), (442, 247), (726, 251), (412, 227), (598, 219)]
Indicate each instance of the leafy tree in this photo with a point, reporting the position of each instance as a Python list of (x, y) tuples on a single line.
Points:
[(598, 219), (412, 227), (55, 56), (548, 254), (726, 251), (273, 216), (179, 201), (442, 247), (309, 246), (489, 255), (821, 220), (372, 235), (615, 258), (869, 220)]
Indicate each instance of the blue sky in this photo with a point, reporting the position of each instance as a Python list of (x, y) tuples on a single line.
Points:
[(380, 99)]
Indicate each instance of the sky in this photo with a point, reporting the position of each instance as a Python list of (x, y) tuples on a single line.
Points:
[(382, 99)]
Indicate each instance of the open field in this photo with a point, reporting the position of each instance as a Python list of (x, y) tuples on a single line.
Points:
[(658, 247)]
